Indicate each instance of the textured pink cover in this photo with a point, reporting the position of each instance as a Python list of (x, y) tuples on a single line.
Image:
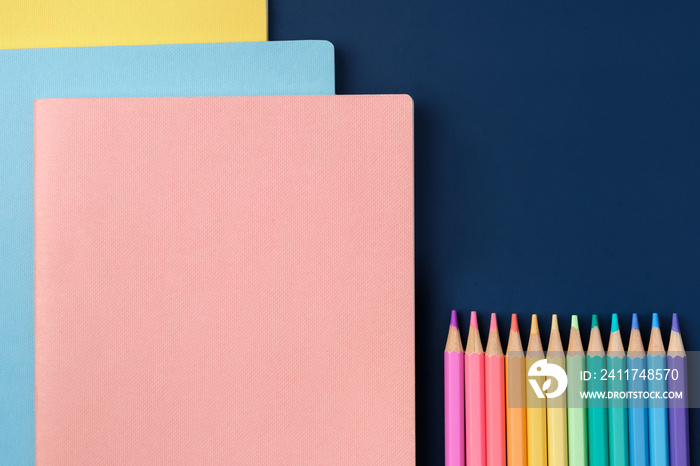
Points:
[(225, 281)]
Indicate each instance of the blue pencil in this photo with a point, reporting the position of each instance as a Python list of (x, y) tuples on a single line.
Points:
[(637, 405), (658, 415)]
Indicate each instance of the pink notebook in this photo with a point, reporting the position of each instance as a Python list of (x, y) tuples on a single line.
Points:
[(225, 280)]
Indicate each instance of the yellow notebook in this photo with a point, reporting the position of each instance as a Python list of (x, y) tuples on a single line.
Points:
[(79, 23)]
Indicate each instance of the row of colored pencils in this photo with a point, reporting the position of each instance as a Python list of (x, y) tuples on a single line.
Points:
[(494, 416)]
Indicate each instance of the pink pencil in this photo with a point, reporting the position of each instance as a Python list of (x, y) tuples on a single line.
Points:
[(494, 383), (454, 396), (474, 397)]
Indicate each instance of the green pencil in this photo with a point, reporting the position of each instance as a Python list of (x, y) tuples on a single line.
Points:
[(597, 407), (618, 438), (575, 367)]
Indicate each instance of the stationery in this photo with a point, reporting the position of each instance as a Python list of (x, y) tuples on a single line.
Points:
[(557, 427), (454, 396), (577, 422), (618, 442), (516, 401), (80, 23), (612, 410), (637, 412), (536, 407), (658, 407), (494, 387), (597, 407), (679, 439), (304, 67), (474, 396), (225, 280)]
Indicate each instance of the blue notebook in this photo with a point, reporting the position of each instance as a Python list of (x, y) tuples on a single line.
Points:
[(241, 69)]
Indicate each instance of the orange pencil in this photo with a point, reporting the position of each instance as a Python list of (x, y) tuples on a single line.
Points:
[(516, 402), (495, 398), (474, 396)]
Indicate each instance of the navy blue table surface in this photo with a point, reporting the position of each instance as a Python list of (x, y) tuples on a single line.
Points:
[(557, 164)]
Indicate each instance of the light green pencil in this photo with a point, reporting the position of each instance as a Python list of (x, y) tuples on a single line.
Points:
[(575, 367), (597, 407), (618, 440)]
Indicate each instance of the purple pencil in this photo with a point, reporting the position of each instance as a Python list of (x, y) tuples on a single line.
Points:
[(677, 407)]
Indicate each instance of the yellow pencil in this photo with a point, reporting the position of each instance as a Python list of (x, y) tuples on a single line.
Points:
[(536, 407), (557, 427)]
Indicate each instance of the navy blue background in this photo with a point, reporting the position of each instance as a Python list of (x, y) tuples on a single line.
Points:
[(557, 159)]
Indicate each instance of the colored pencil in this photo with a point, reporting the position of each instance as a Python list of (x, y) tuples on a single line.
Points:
[(557, 427), (618, 433), (474, 397), (597, 407), (679, 440), (454, 396), (637, 404), (576, 415), (516, 402), (658, 413), (494, 379), (536, 407)]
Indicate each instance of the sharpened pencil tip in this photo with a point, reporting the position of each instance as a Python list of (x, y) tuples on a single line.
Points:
[(534, 328), (514, 323), (574, 321), (674, 324), (453, 319), (594, 320), (472, 320), (494, 324), (655, 320), (555, 321), (635, 322), (614, 325)]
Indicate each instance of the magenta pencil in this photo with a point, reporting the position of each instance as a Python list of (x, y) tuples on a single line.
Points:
[(454, 396), (474, 397)]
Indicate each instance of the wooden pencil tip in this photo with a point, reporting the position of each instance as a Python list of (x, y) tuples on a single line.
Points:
[(555, 345), (534, 328), (574, 321), (655, 320), (514, 323), (614, 325), (453, 319), (594, 320), (635, 322), (675, 343), (494, 324), (472, 320)]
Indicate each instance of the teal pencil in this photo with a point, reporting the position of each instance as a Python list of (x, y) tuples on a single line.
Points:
[(618, 439), (637, 404), (658, 414), (597, 407)]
